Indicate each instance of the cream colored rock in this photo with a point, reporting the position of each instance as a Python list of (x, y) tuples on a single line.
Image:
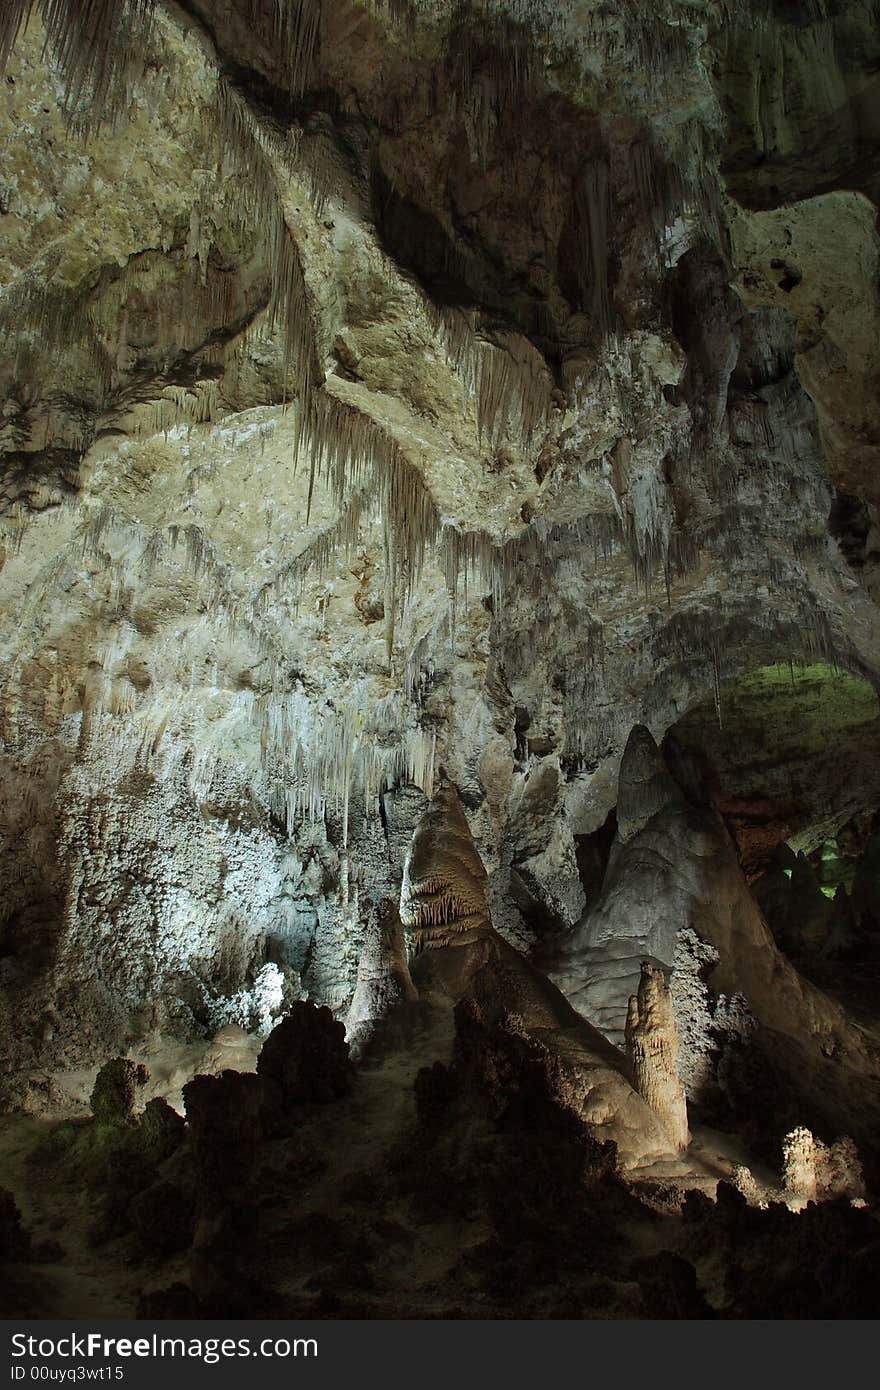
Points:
[(443, 894), (652, 1052), (813, 1171)]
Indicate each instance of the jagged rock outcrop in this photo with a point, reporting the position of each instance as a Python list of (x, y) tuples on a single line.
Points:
[(114, 1093), (305, 1058), (14, 1239), (228, 1117), (652, 1052)]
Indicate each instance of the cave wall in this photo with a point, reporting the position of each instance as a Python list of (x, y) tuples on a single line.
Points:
[(418, 395)]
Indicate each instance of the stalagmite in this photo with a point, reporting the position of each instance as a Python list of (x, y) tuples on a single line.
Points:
[(813, 1171), (443, 894), (652, 1052), (644, 785), (384, 986)]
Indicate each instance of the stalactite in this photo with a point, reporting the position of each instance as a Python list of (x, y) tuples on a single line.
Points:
[(592, 208), (48, 322), (496, 566), (513, 388), (403, 12), (390, 586), (15, 524), (491, 70), (13, 18), (94, 527), (347, 449), (327, 753), (490, 34), (339, 538), (257, 198), (45, 321), (716, 682), (296, 32), (323, 756), (678, 182), (199, 404), (201, 560), (99, 42), (99, 45), (416, 677), (509, 379), (794, 628), (201, 302)]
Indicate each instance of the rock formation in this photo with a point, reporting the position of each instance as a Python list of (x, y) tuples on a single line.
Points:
[(645, 894), (652, 1052), (305, 1058), (813, 1171), (676, 883), (466, 963), (113, 1097), (239, 628), (443, 895), (439, 458), (384, 985)]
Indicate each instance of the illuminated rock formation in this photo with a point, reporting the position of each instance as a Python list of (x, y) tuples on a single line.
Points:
[(759, 1035), (652, 1052), (813, 1171), (464, 962), (443, 896)]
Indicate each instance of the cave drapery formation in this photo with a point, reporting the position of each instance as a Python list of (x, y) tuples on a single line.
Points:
[(439, 581)]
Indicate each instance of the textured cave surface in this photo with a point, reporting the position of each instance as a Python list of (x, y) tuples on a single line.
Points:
[(439, 583)]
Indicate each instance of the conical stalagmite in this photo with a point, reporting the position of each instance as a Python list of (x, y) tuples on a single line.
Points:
[(384, 985), (443, 895)]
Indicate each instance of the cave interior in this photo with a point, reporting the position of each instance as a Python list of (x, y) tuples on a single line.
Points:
[(439, 659)]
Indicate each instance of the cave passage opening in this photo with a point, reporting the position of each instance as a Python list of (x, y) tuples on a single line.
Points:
[(794, 770)]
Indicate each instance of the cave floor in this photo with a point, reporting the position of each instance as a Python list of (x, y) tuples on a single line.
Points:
[(349, 1225), (56, 1207)]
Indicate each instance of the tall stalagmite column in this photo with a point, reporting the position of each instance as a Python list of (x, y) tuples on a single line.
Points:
[(652, 1050)]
